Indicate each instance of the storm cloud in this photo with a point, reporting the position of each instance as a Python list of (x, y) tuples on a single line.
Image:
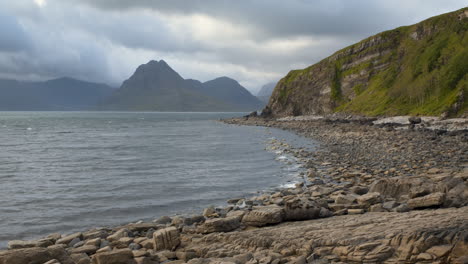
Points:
[(253, 41)]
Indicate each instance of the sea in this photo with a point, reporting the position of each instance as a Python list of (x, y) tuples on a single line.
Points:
[(62, 172)]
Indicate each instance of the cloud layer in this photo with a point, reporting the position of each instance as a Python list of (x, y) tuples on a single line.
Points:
[(253, 41)]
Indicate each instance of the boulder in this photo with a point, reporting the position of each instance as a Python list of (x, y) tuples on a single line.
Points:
[(167, 238), (16, 244), (119, 234), (430, 200), (81, 258), (300, 208), (119, 256), (89, 249), (67, 239), (264, 215), (219, 225), (35, 255), (345, 199), (369, 199), (209, 212), (163, 220)]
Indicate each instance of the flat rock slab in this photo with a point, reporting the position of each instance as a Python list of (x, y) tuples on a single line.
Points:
[(370, 237), (219, 225), (35, 255)]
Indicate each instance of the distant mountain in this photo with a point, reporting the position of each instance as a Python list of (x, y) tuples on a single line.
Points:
[(59, 94), (266, 91), (155, 86)]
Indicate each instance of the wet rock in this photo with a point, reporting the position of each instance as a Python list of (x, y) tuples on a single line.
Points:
[(264, 215), (167, 238)]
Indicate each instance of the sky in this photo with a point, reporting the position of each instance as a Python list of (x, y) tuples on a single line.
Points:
[(252, 41)]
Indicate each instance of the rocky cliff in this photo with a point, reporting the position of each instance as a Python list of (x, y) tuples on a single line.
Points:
[(419, 69)]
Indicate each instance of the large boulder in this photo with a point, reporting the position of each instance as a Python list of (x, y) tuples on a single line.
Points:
[(396, 187), (16, 244), (430, 200), (67, 239), (264, 215), (119, 256), (167, 238), (35, 255), (300, 208), (369, 199), (219, 225)]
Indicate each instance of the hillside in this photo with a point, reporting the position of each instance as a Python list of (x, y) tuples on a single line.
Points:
[(155, 86), (419, 70), (57, 94)]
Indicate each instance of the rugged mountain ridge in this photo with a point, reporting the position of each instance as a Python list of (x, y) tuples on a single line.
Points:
[(419, 69), (52, 95), (155, 86)]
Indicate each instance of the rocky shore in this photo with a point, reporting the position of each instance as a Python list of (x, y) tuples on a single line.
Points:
[(375, 191)]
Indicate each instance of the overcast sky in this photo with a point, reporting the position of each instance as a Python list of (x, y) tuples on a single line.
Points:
[(252, 41)]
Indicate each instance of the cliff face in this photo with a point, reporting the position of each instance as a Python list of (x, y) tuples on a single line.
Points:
[(419, 69)]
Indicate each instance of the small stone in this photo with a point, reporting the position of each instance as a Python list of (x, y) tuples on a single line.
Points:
[(209, 212), (424, 256), (134, 246), (355, 211)]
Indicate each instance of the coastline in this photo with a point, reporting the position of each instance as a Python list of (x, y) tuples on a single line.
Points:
[(366, 185)]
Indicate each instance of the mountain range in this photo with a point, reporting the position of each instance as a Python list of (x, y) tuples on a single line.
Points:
[(154, 86), (412, 70), (61, 94)]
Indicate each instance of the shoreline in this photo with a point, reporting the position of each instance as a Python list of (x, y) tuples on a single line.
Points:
[(359, 173)]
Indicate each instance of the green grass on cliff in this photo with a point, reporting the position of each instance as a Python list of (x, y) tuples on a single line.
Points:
[(421, 75), (425, 76)]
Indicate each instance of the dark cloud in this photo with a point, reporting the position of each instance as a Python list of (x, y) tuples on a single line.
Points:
[(275, 18), (253, 41)]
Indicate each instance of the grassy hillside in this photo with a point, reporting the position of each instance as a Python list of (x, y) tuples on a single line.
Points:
[(419, 70)]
